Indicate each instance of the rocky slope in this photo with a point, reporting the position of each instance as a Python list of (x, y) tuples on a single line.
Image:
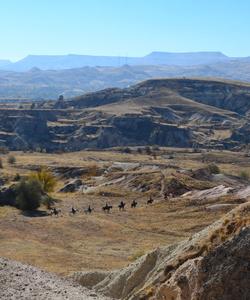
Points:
[(23, 282), (213, 264), (164, 112)]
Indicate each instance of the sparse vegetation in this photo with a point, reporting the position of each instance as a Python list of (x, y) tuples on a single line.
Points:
[(244, 175), (11, 159), (17, 177), (213, 168), (48, 201), (29, 194), (46, 179), (175, 221), (137, 255)]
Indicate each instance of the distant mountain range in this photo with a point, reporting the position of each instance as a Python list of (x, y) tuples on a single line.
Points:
[(5, 63), (40, 84), (59, 62)]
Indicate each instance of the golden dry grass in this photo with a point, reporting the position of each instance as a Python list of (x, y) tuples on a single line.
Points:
[(103, 241)]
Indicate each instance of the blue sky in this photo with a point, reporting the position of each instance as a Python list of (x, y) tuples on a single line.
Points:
[(123, 27)]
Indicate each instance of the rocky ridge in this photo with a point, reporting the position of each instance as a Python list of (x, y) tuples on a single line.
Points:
[(23, 282), (213, 264), (164, 112)]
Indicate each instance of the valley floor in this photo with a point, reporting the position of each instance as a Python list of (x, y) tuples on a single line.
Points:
[(67, 243)]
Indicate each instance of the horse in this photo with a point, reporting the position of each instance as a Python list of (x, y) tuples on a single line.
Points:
[(122, 205), (107, 208), (134, 204), (150, 201), (73, 210), (55, 211), (88, 210)]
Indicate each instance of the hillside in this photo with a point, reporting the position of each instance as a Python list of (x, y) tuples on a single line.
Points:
[(197, 268), (164, 112), (40, 84), (22, 282), (196, 229)]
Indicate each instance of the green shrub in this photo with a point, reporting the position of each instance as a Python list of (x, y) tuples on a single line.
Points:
[(17, 177), (244, 175), (29, 194), (11, 160), (213, 169)]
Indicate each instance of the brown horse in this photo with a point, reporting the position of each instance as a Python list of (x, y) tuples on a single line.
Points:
[(107, 208), (134, 204), (122, 205)]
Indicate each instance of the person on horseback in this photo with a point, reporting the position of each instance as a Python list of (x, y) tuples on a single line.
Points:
[(122, 205), (134, 204)]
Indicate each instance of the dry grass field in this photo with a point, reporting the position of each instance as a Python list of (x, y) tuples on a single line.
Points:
[(101, 240)]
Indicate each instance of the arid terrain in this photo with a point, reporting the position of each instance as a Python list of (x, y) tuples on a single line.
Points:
[(101, 240), (183, 112), (150, 191)]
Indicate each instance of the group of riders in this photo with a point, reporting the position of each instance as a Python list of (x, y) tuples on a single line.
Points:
[(107, 208)]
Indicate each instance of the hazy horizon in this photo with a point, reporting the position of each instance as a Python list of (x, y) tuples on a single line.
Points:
[(133, 28)]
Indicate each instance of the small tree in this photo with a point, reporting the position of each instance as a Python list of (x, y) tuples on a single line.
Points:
[(213, 168), (11, 160), (29, 194), (45, 178), (244, 175)]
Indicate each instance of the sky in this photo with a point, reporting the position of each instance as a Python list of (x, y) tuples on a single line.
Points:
[(123, 27)]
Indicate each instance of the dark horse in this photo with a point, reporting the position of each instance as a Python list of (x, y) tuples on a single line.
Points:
[(55, 212), (73, 210), (88, 210), (122, 205), (150, 201), (107, 208), (134, 204)]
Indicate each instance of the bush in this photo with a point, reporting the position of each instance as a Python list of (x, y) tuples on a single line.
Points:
[(213, 169), (29, 194), (244, 175), (11, 160), (45, 178), (126, 150), (1, 163), (17, 177), (48, 201)]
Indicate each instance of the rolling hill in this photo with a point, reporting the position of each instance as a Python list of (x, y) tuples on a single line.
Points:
[(37, 84), (165, 112)]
